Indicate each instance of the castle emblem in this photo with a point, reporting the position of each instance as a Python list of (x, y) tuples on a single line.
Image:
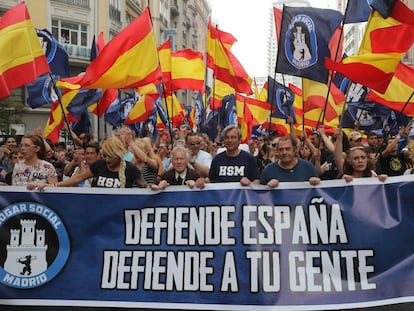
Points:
[(36, 246), (29, 256)]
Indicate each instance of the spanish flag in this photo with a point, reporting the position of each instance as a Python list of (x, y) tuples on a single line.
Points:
[(22, 58), (399, 94), (314, 96), (378, 54), (188, 70), (245, 119), (141, 111), (129, 60), (225, 65), (164, 54), (57, 116)]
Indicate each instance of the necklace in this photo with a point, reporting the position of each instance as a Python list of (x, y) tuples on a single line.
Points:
[(290, 168)]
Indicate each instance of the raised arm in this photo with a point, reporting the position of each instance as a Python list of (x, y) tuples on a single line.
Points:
[(338, 152)]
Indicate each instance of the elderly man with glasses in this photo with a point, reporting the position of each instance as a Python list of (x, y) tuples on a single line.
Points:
[(200, 160)]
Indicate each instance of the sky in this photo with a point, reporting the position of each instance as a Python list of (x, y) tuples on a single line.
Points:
[(248, 21)]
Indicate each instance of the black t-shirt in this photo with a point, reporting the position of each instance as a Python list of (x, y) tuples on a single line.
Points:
[(232, 169), (393, 165), (104, 178)]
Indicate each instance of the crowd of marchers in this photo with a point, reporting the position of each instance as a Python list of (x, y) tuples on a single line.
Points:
[(187, 158)]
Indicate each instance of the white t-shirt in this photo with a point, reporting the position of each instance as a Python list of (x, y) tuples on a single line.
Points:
[(244, 147)]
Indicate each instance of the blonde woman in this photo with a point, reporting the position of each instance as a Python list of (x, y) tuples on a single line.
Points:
[(145, 158), (110, 172)]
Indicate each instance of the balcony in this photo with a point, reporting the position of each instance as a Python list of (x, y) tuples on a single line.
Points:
[(114, 13), (79, 3), (78, 52)]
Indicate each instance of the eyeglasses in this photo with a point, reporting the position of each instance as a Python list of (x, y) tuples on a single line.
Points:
[(193, 143), (274, 145), (27, 146), (357, 140)]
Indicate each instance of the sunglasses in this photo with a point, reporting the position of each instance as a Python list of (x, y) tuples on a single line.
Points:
[(193, 143), (274, 145)]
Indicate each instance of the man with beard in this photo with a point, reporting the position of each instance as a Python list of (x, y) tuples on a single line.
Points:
[(289, 167)]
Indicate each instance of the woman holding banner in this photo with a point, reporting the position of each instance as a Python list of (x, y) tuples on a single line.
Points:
[(34, 170), (355, 163), (110, 172)]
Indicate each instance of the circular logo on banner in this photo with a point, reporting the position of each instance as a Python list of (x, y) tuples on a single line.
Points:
[(34, 245)]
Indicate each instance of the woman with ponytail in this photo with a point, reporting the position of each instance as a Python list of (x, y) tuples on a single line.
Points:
[(110, 172)]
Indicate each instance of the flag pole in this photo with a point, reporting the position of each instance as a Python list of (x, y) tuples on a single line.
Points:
[(303, 109), (164, 93), (275, 72), (98, 121), (65, 119), (406, 103), (332, 76)]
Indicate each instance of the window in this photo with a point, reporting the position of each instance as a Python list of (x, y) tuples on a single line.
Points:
[(70, 33), (114, 9)]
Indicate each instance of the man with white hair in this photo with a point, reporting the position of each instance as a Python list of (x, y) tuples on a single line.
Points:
[(180, 173)]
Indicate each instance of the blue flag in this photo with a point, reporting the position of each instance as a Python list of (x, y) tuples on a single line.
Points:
[(118, 111), (113, 114), (56, 55), (281, 97), (227, 111), (304, 41), (369, 115), (83, 100), (94, 50), (357, 11), (372, 116), (83, 125), (200, 112), (384, 7), (42, 92)]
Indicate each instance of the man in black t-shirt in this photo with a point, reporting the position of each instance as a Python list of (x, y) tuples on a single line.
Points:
[(233, 164)]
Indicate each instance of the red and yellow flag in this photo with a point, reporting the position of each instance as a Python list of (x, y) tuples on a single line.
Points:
[(109, 96), (311, 118), (218, 91), (164, 52), (176, 111), (56, 118), (129, 60), (399, 94), (188, 70), (244, 118), (379, 55), (141, 111), (225, 65), (22, 58), (314, 96)]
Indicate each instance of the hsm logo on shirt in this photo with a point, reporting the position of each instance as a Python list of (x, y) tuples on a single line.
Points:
[(34, 245), (232, 170)]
